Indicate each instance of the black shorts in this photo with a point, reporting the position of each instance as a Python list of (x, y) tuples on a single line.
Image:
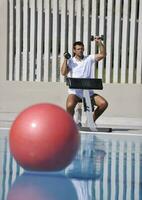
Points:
[(92, 99)]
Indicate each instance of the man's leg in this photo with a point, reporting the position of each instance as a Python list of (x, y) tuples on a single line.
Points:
[(101, 104), (71, 102)]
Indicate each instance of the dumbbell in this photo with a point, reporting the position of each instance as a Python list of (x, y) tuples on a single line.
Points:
[(93, 37), (67, 55)]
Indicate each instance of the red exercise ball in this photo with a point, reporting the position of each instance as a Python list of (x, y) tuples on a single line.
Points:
[(44, 137)]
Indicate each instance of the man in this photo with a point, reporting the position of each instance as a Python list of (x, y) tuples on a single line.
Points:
[(80, 66)]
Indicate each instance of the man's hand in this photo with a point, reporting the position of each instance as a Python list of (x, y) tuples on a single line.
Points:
[(98, 40), (97, 37), (67, 55)]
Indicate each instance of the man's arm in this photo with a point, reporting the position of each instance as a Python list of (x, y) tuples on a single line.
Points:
[(64, 68), (102, 50)]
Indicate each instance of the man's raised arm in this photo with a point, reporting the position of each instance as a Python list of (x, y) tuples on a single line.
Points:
[(102, 50)]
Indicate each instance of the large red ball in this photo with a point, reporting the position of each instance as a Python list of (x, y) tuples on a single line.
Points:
[(44, 137)]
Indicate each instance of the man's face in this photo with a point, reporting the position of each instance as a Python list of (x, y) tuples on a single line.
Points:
[(78, 50)]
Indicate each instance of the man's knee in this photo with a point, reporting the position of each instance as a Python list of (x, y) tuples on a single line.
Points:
[(103, 104), (70, 105)]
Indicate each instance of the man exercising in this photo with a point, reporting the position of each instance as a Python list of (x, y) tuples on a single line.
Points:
[(80, 66)]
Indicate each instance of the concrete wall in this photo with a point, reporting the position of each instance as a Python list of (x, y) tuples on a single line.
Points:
[(124, 100)]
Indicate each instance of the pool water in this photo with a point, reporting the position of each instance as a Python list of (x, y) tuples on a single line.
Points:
[(108, 166)]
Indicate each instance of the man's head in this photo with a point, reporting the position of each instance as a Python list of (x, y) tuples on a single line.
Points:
[(78, 49)]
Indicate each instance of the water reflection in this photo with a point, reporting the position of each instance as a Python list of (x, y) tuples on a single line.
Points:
[(105, 167), (89, 161), (42, 187), (87, 167)]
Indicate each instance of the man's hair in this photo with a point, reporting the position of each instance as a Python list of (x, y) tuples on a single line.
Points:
[(78, 43)]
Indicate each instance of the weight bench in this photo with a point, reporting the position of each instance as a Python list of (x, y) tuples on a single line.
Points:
[(86, 84)]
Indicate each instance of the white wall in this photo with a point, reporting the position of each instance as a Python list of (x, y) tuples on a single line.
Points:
[(41, 31)]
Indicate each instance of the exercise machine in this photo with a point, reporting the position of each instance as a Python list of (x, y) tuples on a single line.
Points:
[(87, 84)]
